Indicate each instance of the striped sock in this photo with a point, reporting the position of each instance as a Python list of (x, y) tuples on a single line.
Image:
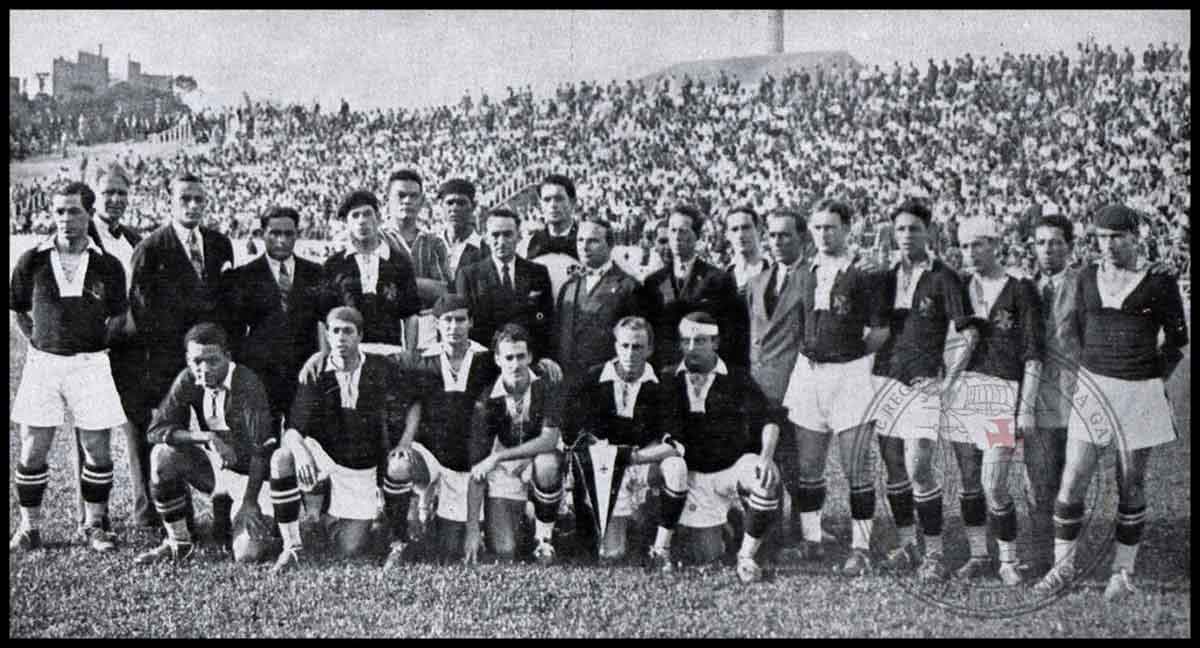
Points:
[(862, 514), (761, 509), (1131, 521), (95, 484), (900, 500), (31, 487), (929, 510), (396, 496), (1068, 523), (545, 511), (171, 502), (670, 508)]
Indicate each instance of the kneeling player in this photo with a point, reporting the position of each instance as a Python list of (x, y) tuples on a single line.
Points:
[(347, 405), (724, 409), (1006, 357), (517, 425), (623, 403), (226, 455), (438, 458)]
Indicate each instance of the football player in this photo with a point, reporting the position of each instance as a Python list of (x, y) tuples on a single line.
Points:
[(348, 409), (515, 433), (1000, 379), (728, 431), (622, 402), (825, 395), (1120, 313)]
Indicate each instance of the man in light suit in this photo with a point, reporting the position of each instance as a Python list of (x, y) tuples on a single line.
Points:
[(1045, 453), (773, 299), (177, 283), (504, 288), (591, 303)]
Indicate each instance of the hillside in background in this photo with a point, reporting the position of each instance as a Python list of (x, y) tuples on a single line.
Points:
[(751, 69)]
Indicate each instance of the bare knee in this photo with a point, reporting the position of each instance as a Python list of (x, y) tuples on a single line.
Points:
[(162, 462), (547, 470), (97, 449), (399, 468)]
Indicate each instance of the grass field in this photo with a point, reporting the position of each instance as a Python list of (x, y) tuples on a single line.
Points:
[(67, 591)]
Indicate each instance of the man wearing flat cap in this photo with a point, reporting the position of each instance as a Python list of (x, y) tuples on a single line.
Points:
[(1120, 312)]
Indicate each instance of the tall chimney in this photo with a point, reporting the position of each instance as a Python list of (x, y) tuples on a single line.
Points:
[(100, 51), (775, 31)]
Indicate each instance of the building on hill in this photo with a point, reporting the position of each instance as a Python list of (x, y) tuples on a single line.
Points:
[(751, 69), (87, 76), (135, 77)]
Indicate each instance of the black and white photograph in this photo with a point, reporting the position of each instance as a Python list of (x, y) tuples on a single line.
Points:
[(599, 323)]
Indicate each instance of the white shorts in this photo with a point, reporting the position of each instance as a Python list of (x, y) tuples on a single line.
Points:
[(903, 412), (233, 484), (451, 486), (711, 495), (82, 382), (353, 493), (1134, 413), (983, 412), (510, 480), (829, 396)]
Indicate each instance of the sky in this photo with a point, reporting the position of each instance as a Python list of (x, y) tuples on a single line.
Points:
[(420, 58)]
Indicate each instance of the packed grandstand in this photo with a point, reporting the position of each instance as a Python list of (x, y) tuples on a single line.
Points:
[(1010, 138)]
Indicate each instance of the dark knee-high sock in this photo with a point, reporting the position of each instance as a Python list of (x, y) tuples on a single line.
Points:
[(396, 496)]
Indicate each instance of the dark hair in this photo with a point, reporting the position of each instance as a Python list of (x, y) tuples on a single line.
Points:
[(346, 314), (87, 197), (837, 207), (501, 212), (746, 209), (797, 217), (609, 237), (457, 186), (407, 175), (914, 207), (275, 211), (1062, 223), (510, 333), (207, 333), (692, 213), (560, 180), (356, 199)]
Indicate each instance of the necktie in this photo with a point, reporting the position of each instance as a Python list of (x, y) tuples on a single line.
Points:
[(195, 255), (114, 229), (506, 278), (1048, 299), (777, 287), (285, 285), (214, 414)]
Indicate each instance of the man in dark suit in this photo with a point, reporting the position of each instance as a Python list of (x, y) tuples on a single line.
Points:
[(177, 283), (273, 304), (591, 303), (689, 284), (505, 288), (557, 195)]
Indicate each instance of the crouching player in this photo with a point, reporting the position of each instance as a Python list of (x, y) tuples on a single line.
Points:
[(459, 369), (724, 409), (348, 406), (1007, 357), (623, 402), (212, 431), (514, 437)]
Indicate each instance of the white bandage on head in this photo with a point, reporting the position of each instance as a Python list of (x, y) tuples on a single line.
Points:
[(978, 227), (691, 328)]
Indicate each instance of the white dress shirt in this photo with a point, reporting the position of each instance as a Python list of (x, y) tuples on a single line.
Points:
[(116, 246), (289, 263), (183, 233), (512, 270), (214, 401), (593, 276)]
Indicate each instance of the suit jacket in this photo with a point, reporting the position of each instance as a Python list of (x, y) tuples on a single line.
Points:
[(775, 339), (167, 298), (530, 304), (584, 320), (707, 289), (1060, 366), (246, 414), (265, 338)]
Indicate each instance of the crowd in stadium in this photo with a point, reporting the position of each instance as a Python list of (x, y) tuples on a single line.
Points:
[(1009, 137)]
